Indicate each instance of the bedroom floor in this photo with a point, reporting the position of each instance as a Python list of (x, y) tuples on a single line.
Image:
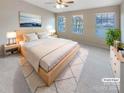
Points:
[(95, 66)]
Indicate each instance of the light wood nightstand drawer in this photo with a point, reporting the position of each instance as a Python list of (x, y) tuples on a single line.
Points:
[(9, 49), (54, 36)]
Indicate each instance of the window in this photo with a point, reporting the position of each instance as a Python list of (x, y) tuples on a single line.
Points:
[(77, 24), (104, 21), (61, 23)]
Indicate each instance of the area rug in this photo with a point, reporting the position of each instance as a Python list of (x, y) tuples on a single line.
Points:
[(65, 83)]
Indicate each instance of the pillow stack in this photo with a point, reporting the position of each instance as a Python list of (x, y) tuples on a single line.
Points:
[(30, 37), (35, 36), (42, 35)]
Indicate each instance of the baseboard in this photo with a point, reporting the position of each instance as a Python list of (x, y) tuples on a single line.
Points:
[(95, 44)]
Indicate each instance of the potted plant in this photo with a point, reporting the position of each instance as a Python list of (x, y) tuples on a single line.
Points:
[(112, 35)]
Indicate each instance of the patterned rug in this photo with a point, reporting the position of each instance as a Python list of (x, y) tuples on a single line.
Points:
[(65, 83)]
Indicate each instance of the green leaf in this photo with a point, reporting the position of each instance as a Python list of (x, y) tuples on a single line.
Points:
[(112, 35)]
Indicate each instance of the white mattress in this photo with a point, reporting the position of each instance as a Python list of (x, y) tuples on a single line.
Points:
[(47, 53)]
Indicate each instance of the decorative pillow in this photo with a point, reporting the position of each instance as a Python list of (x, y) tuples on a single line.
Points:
[(42, 35), (30, 37)]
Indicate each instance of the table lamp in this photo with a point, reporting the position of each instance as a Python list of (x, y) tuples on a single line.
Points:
[(52, 31), (11, 37)]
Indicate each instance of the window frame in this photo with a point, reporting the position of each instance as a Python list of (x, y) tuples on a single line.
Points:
[(82, 20), (107, 21), (64, 23)]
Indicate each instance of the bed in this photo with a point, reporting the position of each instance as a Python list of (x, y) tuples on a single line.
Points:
[(48, 56)]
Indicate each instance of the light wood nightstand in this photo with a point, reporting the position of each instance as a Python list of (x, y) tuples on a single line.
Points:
[(56, 36), (10, 49)]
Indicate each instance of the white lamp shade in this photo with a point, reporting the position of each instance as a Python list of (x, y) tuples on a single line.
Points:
[(11, 35), (49, 27), (52, 31)]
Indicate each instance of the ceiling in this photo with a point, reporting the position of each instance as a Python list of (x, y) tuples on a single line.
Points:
[(78, 4)]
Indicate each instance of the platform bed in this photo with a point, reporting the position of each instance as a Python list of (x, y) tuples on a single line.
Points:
[(51, 75)]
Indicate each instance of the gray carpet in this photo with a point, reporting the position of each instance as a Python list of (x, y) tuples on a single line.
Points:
[(11, 77), (68, 77), (97, 66)]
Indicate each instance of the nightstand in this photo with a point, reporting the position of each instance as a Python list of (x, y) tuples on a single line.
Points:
[(10, 49), (56, 36)]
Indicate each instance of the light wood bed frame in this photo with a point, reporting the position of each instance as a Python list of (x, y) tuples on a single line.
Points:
[(50, 76)]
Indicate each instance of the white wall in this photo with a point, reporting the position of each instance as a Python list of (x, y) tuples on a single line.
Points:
[(9, 16), (122, 21), (89, 34)]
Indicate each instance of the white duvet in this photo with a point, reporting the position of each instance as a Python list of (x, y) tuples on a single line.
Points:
[(46, 52)]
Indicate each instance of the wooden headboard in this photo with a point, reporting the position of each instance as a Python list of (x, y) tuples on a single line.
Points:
[(21, 32)]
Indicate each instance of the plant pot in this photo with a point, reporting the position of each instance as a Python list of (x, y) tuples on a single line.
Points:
[(116, 43)]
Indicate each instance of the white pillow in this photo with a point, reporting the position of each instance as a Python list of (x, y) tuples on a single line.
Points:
[(30, 37), (42, 35)]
